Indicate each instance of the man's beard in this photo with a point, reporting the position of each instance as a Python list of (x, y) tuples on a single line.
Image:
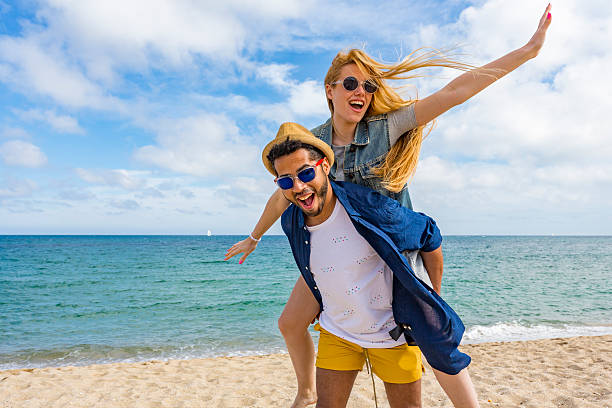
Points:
[(321, 194)]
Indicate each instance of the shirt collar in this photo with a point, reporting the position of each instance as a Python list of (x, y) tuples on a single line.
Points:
[(362, 138), (341, 196)]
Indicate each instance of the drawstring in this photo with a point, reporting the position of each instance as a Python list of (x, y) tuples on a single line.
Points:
[(369, 367)]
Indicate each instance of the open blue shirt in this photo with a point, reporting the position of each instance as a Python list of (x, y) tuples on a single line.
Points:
[(389, 228)]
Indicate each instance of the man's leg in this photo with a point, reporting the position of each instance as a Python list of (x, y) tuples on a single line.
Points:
[(401, 369), (459, 388), (334, 387), (404, 395), (300, 310)]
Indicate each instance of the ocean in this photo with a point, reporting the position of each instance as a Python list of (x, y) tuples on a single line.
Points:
[(78, 300)]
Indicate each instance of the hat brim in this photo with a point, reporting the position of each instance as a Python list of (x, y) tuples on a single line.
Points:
[(306, 138)]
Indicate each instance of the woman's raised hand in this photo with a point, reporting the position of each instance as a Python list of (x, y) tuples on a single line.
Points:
[(536, 42), (245, 246)]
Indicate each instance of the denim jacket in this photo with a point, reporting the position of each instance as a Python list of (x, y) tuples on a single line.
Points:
[(389, 228), (368, 149)]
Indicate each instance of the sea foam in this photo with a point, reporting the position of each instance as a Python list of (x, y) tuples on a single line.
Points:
[(520, 331)]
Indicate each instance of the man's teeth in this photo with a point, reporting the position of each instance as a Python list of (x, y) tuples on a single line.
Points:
[(304, 198)]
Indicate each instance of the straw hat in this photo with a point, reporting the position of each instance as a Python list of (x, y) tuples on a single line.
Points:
[(293, 131)]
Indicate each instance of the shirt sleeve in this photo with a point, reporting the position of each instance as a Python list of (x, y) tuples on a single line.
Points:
[(401, 121), (411, 230)]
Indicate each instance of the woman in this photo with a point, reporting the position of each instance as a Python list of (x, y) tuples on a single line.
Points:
[(376, 136)]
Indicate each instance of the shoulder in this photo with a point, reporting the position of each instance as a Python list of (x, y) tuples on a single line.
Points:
[(376, 118), (288, 219), (407, 110), (401, 121), (364, 198), (318, 131)]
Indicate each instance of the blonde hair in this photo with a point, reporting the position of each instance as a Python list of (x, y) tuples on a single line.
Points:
[(401, 161)]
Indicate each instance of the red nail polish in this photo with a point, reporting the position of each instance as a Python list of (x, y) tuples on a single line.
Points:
[(549, 16), (239, 262)]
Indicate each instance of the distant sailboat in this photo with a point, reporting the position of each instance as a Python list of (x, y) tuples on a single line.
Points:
[(209, 233)]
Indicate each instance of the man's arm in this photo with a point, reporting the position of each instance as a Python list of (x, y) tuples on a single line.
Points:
[(434, 264)]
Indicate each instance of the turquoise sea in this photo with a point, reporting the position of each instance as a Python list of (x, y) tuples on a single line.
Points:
[(76, 300)]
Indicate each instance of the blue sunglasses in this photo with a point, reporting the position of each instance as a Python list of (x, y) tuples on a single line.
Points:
[(305, 175)]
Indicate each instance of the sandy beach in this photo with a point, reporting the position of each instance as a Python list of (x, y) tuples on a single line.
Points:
[(567, 372)]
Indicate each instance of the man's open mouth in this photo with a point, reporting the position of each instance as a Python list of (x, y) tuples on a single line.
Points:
[(306, 201)]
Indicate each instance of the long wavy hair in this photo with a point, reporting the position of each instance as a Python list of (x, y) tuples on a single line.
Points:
[(401, 161)]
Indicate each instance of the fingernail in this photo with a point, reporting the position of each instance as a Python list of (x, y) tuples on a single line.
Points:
[(239, 262), (549, 16)]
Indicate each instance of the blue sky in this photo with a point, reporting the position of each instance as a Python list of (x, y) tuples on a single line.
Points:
[(149, 117)]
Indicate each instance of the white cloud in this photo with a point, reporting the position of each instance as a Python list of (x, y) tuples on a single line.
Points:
[(129, 180), (74, 194), (533, 148), (535, 142), (174, 30), (519, 183), (14, 133), (61, 123), (300, 102), (187, 193), (308, 99), (163, 34), (125, 204), (151, 192), (205, 145), (16, 187), (487, 198), (24, 61), (86, 46), (20, 153), (276, 75), (304, 98)]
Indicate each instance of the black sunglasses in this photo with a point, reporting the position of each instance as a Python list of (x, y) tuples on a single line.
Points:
[(350, 83)]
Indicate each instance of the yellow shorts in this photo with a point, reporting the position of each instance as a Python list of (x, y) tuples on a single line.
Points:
[(397, 365)]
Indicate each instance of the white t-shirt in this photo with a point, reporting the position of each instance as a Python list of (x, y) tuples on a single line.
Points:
[(355, 283), (399, 121)]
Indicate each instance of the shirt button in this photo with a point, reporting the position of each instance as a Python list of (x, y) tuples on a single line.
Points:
[(316, 288), (306, 242), (306, 268)]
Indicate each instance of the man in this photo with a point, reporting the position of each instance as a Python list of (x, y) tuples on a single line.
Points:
[(347, 242)]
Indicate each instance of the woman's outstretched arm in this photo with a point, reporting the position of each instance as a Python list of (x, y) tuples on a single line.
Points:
[(276, 205), (469, 84)]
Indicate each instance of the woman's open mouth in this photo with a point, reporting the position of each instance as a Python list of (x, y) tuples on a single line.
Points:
[(357, 106)]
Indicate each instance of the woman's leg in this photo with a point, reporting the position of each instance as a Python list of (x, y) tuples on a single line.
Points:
[(459, 388), (299, 312)]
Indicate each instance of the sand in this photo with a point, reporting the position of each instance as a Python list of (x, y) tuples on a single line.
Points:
[(569, 372)]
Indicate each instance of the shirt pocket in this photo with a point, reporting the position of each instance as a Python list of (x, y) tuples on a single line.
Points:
[(368, 176)]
